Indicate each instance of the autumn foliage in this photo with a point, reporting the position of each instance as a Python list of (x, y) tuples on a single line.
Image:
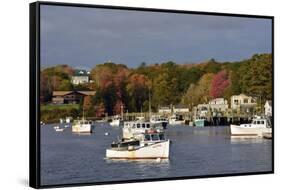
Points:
[(167, 83), (219, 83)]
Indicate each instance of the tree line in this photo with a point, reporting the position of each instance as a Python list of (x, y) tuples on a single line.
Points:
[(167, 83)]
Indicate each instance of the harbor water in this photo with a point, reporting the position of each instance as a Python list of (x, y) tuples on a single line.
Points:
[(68, 158)]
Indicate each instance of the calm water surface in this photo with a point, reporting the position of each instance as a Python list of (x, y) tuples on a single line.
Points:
[(71, 158)]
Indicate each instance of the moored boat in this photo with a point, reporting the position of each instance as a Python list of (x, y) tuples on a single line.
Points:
[(58, 129), (116, 121), (157, 119), (200, 122), (82, 126), (176, 119), (151, 145), (258, 127)]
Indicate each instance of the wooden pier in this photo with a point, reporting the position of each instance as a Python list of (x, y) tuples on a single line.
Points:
[(218, 120)]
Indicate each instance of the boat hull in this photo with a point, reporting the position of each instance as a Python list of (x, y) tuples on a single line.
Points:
[(199, 123), (176, 122), (82, 128), (237, 130), (115, 123), (157, 150)]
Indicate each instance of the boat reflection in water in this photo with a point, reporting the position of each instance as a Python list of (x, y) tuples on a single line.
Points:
[(246, 140), (138, 161)]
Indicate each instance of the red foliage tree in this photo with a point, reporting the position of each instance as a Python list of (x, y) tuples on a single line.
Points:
[(87, 103), (99, 110), (219, 83), (118, 107)]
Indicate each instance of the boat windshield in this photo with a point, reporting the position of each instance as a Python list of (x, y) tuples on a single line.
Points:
[(147, 137), (161, 136), (258, 122), (154, 137)]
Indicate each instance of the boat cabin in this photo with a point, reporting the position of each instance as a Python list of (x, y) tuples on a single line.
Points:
[(138, 125), (155, 118), (83, 121), (258, 123), (261, 122), (177, 117)]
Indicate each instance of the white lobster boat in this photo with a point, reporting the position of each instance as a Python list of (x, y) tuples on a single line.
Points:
[(116, 121), (256, 128), (176, 119), (82, 126), (148, 146), (157, 119), (133, 128)]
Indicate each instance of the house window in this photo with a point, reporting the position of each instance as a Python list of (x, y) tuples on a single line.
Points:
[(252, 101), (245, 101), (236, 102)]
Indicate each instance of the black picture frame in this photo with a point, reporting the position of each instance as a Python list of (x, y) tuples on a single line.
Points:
[(34, 98)]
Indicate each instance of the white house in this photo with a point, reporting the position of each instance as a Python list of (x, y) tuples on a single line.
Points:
[(202, 109), (218, 104), (268, 108), (80, 77), (164, 110), (243, 102), (180, 108)]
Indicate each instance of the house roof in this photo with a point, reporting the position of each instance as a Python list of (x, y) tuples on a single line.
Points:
[(180, 106), (269, 102), (164, 107), (88, 93), (63, 93), (80, 73), (217, 99), (242, 95)]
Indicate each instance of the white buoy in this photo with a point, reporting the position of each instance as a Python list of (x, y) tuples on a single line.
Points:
[(106, 134)]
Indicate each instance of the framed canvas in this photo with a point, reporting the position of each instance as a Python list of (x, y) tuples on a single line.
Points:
[(123, 94)]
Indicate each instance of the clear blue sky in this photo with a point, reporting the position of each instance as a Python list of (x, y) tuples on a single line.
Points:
[(84, 37)]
